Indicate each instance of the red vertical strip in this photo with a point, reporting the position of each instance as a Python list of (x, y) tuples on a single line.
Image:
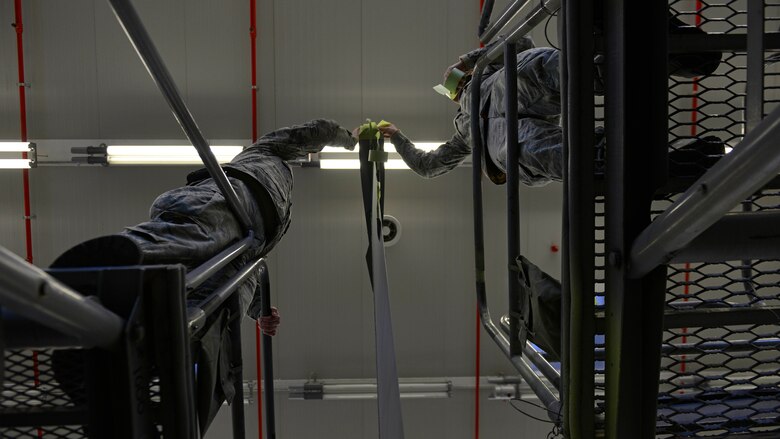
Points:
[(477, 347), (23, 125), (19, 26)]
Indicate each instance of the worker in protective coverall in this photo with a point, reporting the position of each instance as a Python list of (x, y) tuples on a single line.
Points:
[(540, 151), (191, 224)]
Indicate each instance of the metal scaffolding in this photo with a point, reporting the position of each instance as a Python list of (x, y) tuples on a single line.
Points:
[(671, 278)]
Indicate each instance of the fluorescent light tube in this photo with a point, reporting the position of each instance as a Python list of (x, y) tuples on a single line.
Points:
[(14, 146), (389, 147), (355, 164), (165, 154), (370, 396), (334, 157), (14, 163)]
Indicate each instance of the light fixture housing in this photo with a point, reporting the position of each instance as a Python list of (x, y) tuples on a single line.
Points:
[(332, 157), (150, 154), (166, 154), (367, 390), (10, 155)]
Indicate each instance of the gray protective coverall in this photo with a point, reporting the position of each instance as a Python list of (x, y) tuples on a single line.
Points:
[(539, 135), (191, 224)]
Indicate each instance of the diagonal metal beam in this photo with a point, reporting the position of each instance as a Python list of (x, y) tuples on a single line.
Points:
[(142, 42), (751, 165)]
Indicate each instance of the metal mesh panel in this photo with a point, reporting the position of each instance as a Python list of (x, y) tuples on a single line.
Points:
[(63, 432), (721, 380), (32, 385), (600, 280)]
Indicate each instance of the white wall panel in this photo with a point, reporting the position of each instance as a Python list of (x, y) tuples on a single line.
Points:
[(317, 61), (423, 419), (131, 106), (217, 65), (12, 211), (397, 81), (77, 203), (9, 94), (60, 67)]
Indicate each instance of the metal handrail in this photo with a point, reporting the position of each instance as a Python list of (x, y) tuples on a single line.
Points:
[(200, 274), (551, 402), (577, 117), (264, 285), (544, 366), (509, 12), (533, 19), (198, 314), (29, 291)]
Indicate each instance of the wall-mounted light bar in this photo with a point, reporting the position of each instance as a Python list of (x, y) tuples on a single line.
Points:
[(149, 154), (363, 391), (14, 164), (165, 154), (10, 155), (15, 146), (339, 158)]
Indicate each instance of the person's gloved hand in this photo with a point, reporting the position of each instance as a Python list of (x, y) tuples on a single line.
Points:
[(460, 65), (269, 324), (344, 139), (388, 130)]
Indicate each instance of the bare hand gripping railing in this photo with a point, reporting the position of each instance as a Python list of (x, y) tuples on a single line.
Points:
[(512, 348)]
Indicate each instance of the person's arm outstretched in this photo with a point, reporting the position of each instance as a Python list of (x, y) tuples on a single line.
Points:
[(428, 164), (297, 141)]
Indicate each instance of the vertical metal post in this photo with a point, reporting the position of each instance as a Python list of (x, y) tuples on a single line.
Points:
[(566, 311), (754, 97), (579, 115), (134, 28), (637, 129), (165, 331), (267, 386), (484, 20), (512, 197), (237, 366)]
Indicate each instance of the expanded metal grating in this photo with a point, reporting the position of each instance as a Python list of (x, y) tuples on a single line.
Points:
[(32, 385), (720, 381)]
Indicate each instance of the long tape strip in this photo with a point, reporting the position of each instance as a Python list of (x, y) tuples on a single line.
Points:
[(388, 393)]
